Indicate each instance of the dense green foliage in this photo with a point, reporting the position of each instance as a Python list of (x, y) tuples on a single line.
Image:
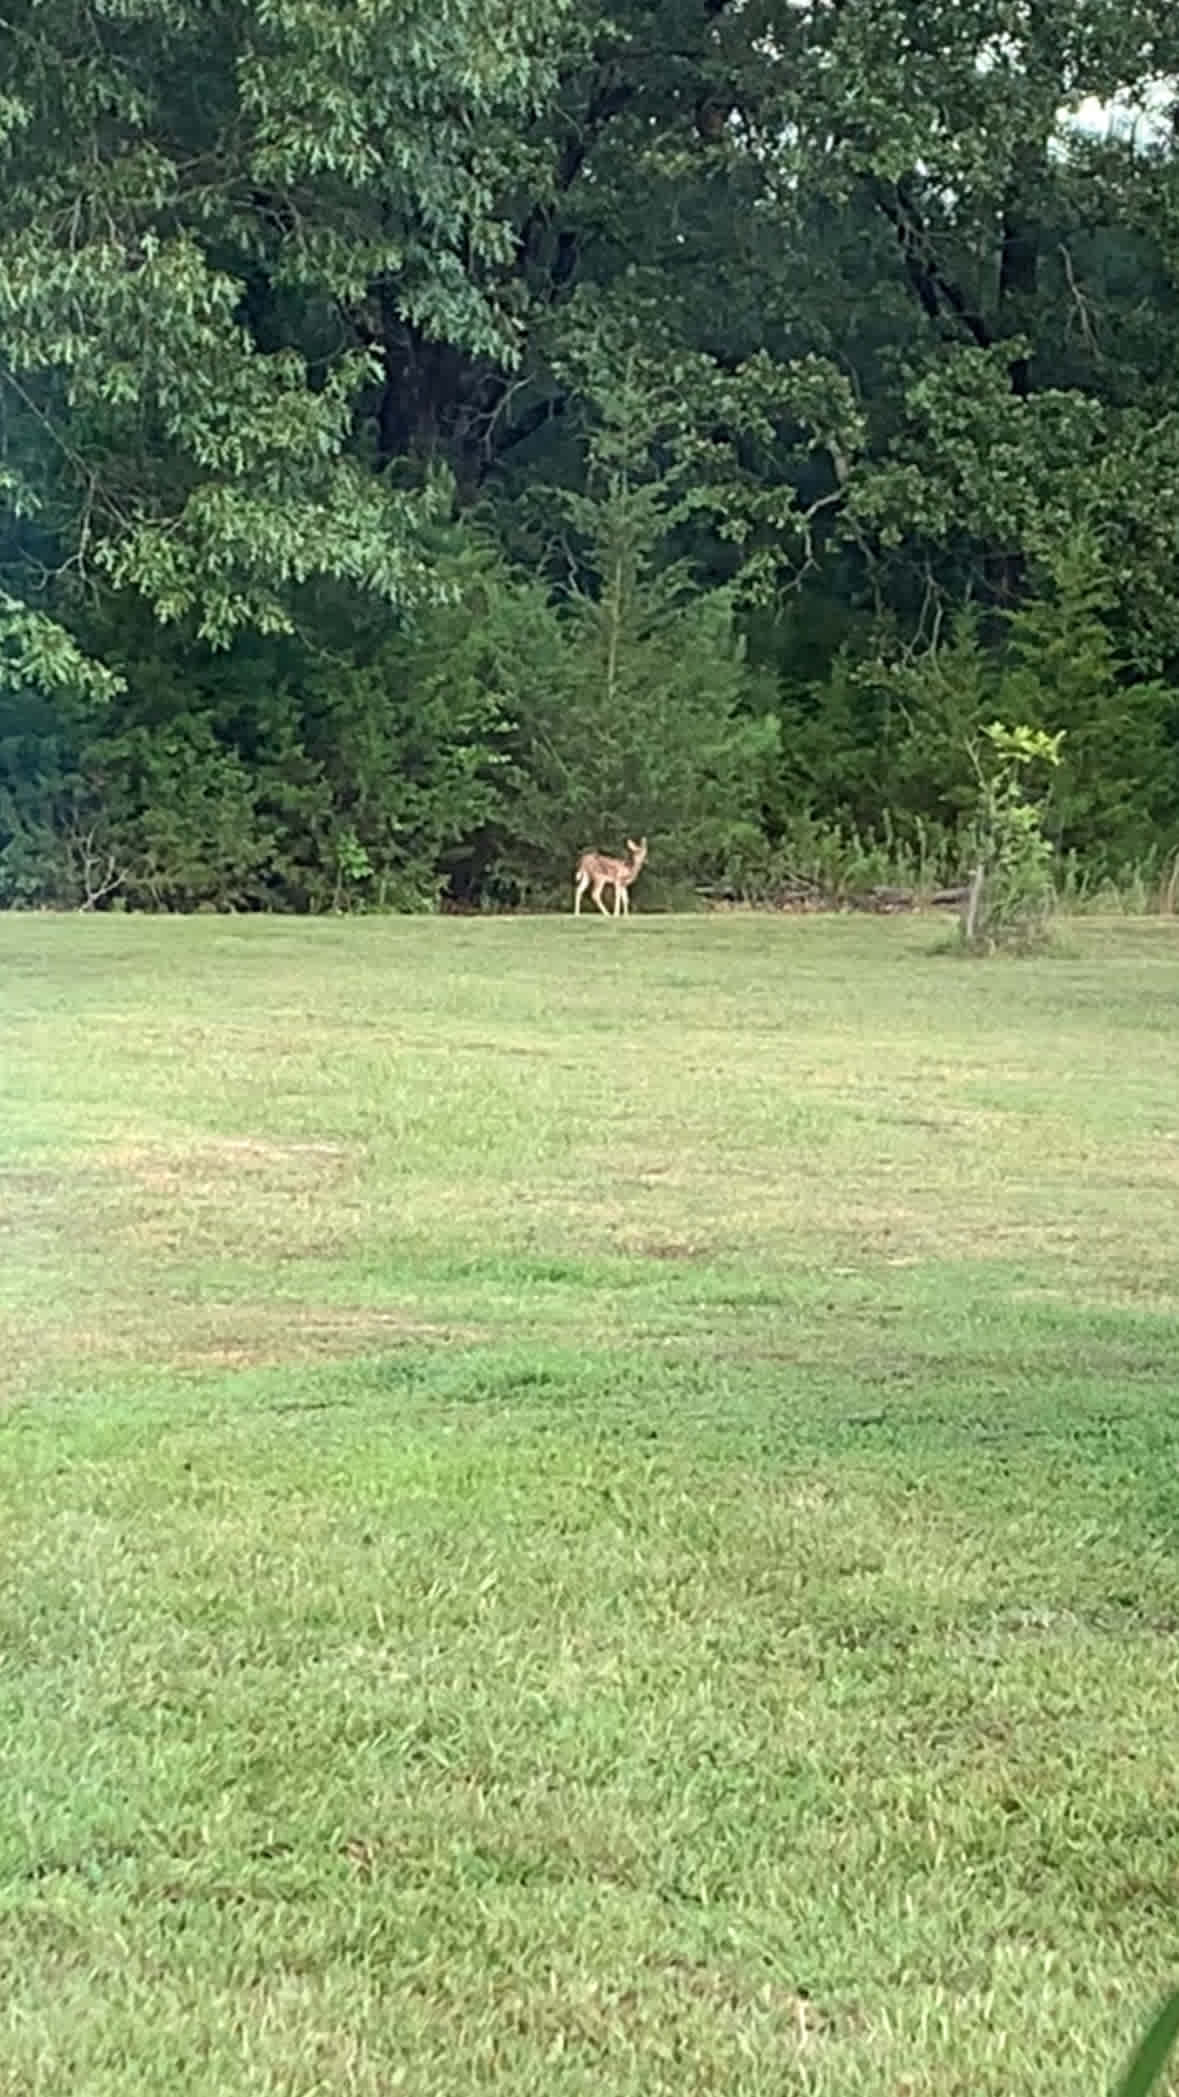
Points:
[(432, 438), (1010, 897)]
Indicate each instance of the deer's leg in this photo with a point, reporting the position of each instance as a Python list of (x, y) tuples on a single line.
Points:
[(580, 884), (598, 887), (624, 898)]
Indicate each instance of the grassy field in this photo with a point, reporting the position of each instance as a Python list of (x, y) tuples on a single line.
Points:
[(585, 1508)]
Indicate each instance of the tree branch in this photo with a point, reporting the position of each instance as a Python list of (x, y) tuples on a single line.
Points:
[(937, 293)]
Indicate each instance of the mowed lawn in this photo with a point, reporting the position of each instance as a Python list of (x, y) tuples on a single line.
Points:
[(585, 1508)]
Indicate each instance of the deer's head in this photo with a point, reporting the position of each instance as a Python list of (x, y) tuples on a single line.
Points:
[(637, 852)]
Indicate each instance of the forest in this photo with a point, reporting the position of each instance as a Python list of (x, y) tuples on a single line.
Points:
[(437, 435)]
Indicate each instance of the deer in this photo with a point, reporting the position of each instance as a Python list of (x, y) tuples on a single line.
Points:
[(596, 871)]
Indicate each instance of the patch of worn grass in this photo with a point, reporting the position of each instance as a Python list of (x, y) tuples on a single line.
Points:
[(584, 1508)]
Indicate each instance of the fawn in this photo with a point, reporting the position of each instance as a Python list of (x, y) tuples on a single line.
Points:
[(596, 871)]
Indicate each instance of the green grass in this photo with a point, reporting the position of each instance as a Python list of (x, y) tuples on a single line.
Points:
[(585, 1508)]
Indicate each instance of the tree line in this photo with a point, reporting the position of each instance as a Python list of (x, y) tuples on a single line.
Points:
[(435, 438)]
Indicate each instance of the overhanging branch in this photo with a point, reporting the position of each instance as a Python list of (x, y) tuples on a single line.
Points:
[(937, 292)]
